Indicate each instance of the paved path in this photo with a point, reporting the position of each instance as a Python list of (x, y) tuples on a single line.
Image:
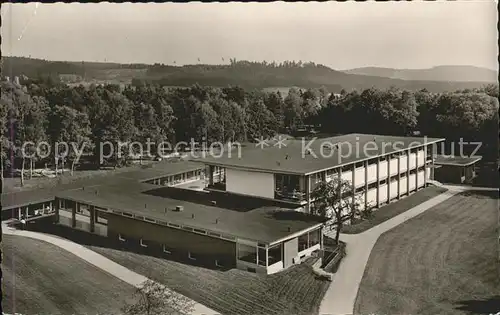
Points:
[(97, 260), (341, 295)]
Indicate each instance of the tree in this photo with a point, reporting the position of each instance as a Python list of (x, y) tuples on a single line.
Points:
[(68, 125), (329, 204), (154, 298)]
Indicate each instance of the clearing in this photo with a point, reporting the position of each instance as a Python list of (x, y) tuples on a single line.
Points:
[(41, 278), (444, 261)]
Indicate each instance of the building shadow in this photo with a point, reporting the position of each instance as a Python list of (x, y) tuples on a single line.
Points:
[(480, 194), (89, 239), (487, 306)]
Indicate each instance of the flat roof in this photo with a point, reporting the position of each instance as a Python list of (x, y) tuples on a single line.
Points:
[(265, 223), (456, 160), (164, 168), (292, 158)]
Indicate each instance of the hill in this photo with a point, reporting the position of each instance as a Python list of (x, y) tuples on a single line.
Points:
[(249, 75), (439, 73)]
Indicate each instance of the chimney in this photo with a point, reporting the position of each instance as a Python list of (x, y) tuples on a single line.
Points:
[(216, 221), (145, 205), (96, 192), (289, 230), (165, 210), (192, 216)]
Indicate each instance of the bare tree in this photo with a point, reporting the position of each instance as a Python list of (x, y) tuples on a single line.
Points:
[(334, 201), (153, 298)]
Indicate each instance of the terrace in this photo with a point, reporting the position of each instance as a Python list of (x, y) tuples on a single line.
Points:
[(289, 187)]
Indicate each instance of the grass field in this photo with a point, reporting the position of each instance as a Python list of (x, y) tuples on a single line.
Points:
[(444, 261), (40, 278), (292, 292), (393, 209)]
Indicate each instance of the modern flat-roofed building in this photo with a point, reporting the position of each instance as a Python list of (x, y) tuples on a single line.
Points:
[(255, 235), (456, 169), (380, 168)]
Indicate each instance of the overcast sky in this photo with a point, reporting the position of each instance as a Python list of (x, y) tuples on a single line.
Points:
[(339, 35)]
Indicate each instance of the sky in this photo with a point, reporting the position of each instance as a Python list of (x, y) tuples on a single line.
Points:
[(341, 35)]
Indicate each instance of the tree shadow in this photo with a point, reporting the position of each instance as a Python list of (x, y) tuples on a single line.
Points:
[(487, 306)]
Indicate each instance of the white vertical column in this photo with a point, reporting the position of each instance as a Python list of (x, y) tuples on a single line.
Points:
[(378, 182), (408, 172), (399, 175), (366, 184)]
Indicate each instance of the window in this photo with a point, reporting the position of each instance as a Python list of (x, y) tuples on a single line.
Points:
[(187, 228), (190, 256), (274, 254), (303, 242), (127, 214), (314, 237), (199, 231), (218, 264), (214, 234), (372, 185), (121, 238), (173, 225), (149, 219), (166, 249)]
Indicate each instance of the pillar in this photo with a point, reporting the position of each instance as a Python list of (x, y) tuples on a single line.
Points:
[(399, 175), (408, 172), (92, 219), (389, 159), (19, 213), (425, 166), (73, 215), (57, 206), (416, 170), (353, 184), (308, 192), (26, 211), (378, 182), (267, 256), (366, 184)]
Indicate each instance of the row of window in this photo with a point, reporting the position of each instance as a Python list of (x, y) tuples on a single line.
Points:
[(167, 250), (176, 226)]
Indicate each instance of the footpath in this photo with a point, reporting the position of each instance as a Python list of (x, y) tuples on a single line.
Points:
[(99, 261)]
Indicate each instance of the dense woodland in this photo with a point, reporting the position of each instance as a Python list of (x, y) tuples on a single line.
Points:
[(43, 110)]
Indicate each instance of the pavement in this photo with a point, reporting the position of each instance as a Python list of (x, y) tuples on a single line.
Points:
[(343, 290), (99, 261)]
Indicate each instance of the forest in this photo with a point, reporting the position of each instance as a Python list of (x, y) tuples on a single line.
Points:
[(44, 110)]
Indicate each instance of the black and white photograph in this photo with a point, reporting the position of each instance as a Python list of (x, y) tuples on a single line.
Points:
[(273, 158)]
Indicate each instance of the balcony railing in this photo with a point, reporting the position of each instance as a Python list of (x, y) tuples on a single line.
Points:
[(217, 186), (289, 195)]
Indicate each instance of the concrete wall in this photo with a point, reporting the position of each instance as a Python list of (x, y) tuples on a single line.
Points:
[(184, 241), (412, 180), (403, 163), (421, 178), (403, 188), (372, 173), (250, 183), (394, 166), (371, 197), (383, 169), (382, 193), (290, 251), (347, 175), (394, 189), (421, 157), (359, 174)]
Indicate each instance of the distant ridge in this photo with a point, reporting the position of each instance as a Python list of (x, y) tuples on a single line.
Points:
[(254, 75), (449, 73)]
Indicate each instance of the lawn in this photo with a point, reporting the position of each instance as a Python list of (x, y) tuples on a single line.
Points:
[(295, 291), (40, 278), (444, 261), (393, 209)]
